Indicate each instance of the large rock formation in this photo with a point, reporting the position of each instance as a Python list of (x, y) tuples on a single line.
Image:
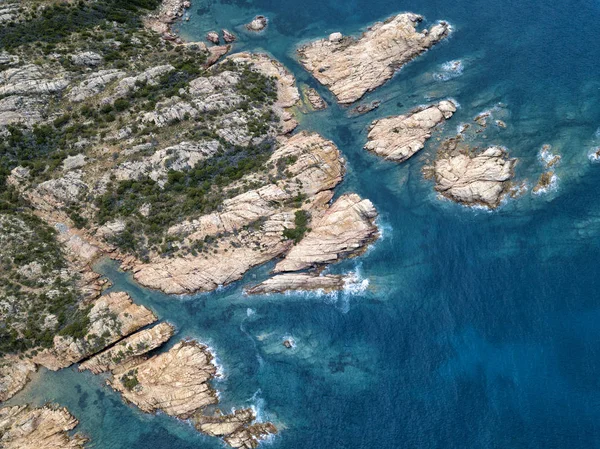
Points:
[(46, 427), (238, 429), (129, 348), (282, 283), (112, 317), (343, 231), (398, 138), (351, 67), (253, 221), (470, 177), (14, 375), (175, 382)]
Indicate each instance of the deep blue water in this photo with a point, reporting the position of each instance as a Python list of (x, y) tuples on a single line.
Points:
[(479, 329)]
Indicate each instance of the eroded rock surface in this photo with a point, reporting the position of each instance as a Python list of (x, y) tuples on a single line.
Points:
[(112, 317), (14, 375), (398, 138), (317, 168), (352, 67), (344, 230), (175, 382), (282, 283), (127, 349), (238, 429), (473, 178), (22, 427)]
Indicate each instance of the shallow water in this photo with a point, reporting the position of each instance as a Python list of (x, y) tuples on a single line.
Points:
[(478, 329)]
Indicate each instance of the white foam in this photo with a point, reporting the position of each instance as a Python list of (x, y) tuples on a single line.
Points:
[(449, 70), (594, 156), (250, 312), (553, 186)]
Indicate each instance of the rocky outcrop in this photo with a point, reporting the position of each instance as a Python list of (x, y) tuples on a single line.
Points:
[(112, 317), (228, 36), (129, 348), (288, 94), (300, 282), (366, 107), (21, 109), (168, 12), (22, 427), (343, 231), (213, 36), (473, 178), (87, 58), (315, 100), (352, 67), (14, 375), (30, 79), (238, 429), (259, 23), (94, 84), (398, 138), (317, 168), (175, 382)]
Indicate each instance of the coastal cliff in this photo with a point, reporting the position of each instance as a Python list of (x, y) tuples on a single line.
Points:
[(351, 67)]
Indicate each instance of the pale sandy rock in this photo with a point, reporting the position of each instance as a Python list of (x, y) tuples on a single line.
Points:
[(213, 37), (228, 36), (400, 137), (474, 179), (317, 169), (14, 375), (132, 83), (169, 111), (168, 12), (175, 382), (66, 189), (352, 67), (112, 317), (300, 282), (22, 427), (314, 99), (182, 156), (94, 84), (30, 79), (21, 109), (259, 23), (344, 231), (238, 429), (127, 349), (215, 53), (87, 58), (73, 162)]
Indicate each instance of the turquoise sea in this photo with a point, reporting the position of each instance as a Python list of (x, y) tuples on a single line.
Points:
[(478, 329)]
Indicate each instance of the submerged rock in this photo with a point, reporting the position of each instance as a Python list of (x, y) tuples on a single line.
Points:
[(314, 99), (22, 427), (398, 138), (366, 107), (352, 67)]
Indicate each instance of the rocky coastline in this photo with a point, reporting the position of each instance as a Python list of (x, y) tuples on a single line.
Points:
[(399, 138), (350, 67)]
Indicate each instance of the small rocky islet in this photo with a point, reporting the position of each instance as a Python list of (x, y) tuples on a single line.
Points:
[(179, 160)]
